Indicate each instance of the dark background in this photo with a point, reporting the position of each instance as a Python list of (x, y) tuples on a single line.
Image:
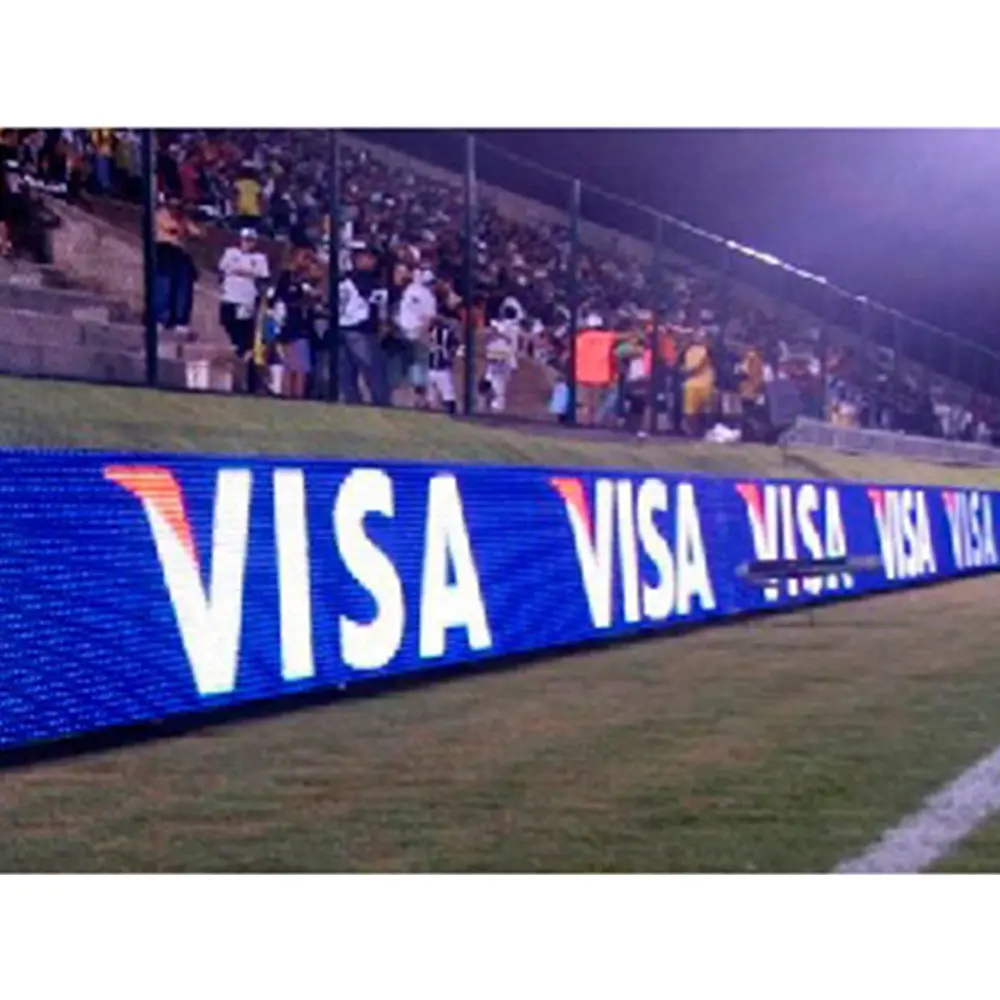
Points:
[(909, 218)]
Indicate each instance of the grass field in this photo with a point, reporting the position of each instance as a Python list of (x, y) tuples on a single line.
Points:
[(36, 414), (763, 746)]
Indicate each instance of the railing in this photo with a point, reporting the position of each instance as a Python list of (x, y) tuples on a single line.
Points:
[(857, 441)]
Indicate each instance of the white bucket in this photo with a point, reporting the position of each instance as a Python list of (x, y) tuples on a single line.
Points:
[(197, 375)]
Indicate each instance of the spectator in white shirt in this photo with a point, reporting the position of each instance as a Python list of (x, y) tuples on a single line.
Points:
[(241, 268), (508, 326), (414, 318), (500, 363)]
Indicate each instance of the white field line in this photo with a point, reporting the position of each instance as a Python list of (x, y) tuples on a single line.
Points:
[(946, 818)]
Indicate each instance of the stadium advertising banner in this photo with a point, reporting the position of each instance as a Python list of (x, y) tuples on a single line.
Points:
[(135, 588)]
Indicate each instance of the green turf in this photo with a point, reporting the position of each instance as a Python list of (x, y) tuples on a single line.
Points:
[(767, 746), (64, 414)]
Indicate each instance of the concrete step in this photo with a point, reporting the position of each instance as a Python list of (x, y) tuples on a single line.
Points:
[(24, 326), (84, 363), (14, 271), (85, 306)]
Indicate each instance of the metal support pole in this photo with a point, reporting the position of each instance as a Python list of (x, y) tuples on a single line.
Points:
[(148, 153), (656, 375), (333, 274), (469, 275), (869, 359), (576, 196)]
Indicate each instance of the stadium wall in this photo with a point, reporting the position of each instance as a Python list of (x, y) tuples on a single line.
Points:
[(136, 588)]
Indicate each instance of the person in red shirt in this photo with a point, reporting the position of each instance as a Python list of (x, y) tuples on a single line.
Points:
[(190, 173)]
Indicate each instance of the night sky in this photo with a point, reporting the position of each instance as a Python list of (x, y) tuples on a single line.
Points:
[(908, 218)]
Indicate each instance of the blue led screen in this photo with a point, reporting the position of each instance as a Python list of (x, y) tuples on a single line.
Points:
[(135, 588)]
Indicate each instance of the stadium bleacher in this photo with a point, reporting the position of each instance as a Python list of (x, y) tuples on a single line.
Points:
[(79, 312)]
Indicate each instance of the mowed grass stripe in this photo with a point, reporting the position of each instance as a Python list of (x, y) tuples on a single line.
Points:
[(47, 414), (770, 746)]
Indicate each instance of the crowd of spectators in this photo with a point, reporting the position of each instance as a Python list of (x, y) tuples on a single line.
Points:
[(713, 358)]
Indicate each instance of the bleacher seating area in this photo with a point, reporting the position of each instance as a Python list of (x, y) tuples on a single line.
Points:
[(71, 299)]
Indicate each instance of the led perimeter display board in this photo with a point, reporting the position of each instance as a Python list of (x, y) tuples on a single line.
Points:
[(137, 587)]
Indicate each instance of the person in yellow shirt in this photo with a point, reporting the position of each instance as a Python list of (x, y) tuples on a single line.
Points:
[(699, 384), (248, 200)]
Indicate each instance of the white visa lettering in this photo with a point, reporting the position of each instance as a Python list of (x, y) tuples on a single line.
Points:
[(973, 538), (797, 523), (368, 645), (295, 601), (903, 524), (447, 552), (209, 621), (627, 515)]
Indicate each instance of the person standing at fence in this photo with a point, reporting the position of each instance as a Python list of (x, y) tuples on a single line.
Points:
[(501, 360), (175, 270), (753, 400), (666, 390), (636, 385), (361, 295), (102, 140), (297, 298), (241, 269), (699, 384), (445, 340), (415, 318), (396, 349)]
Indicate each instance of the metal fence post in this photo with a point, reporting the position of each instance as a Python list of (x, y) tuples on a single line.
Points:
[(576, 196), (656, 375), (869, 374), (152, 335), (333, 274), (469, 275)]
